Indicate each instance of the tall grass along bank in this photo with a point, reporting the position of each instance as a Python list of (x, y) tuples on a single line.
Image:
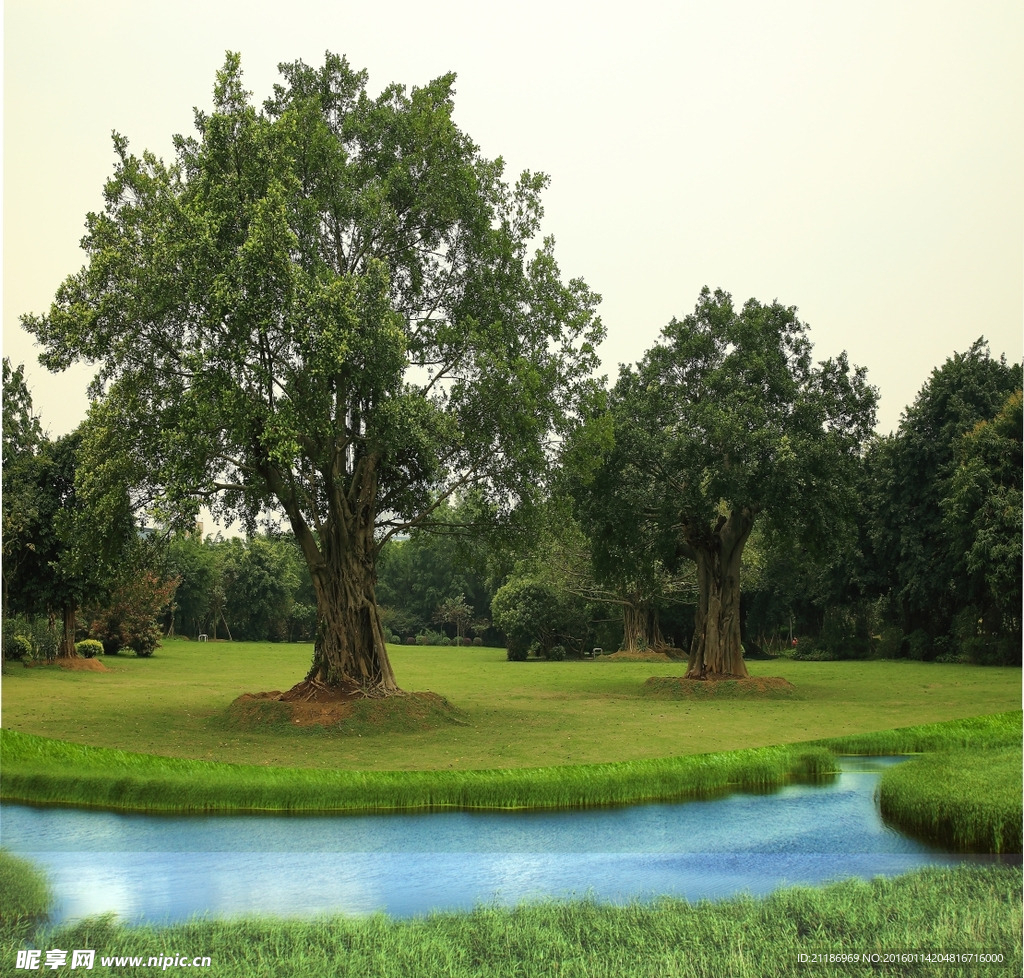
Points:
[(912, 925), (994, 730), (42, 771), (967, 800)]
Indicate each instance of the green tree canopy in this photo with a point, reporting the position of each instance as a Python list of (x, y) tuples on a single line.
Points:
[(65, 542), (724, 422), (22, 439), (931, 480), (328, 305)]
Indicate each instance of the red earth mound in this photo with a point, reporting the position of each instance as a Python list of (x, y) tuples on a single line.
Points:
[(721, 687), (314, 704)]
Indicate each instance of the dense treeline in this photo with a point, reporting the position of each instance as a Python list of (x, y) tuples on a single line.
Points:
[(926, 564), (932, 566)]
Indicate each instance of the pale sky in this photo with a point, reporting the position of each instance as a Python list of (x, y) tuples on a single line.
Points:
[(861, 160)]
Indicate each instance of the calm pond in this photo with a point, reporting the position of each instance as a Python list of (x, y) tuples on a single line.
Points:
[(163, 869)]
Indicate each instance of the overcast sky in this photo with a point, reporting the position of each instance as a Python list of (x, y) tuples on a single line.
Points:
[(863, 161)]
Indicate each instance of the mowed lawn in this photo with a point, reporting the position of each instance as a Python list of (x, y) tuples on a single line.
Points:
[(513, 714)]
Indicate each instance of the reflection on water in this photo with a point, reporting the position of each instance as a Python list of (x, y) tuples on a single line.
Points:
[(162, 869)]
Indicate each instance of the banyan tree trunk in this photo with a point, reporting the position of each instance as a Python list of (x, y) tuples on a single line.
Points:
[(640, 628), (716, 650), (350, 649)]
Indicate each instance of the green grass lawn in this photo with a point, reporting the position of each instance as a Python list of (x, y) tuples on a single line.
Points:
[(529, 722), (529, 714)]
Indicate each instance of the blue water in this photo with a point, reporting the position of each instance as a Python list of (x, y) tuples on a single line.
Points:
[(162, 869)]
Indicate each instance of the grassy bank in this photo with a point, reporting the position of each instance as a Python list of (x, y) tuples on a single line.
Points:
[(969, 800), (966, 910), (44, 771), (988, 732), (515, 714)]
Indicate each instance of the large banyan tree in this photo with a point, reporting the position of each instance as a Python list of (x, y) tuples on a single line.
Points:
[(724, 422), (331, 306)]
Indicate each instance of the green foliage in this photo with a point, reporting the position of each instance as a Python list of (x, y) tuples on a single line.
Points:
[(127, 619), (22, 438), (436, 567), (89, 648), (456, 613), (982, 517), (62, 540), (17, 647), (809, 649), (724, 423), (261, 579), (944, 504), (429, 638), (30, 637), (534, 614), (196, 565), (327, 306), (890, 643), (729, 410)]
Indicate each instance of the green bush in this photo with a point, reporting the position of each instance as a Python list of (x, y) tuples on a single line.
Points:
[(528, 612), (89, 648), (556, 653), (517, 653), (446, 641), (478, 641), (17, 647), (41, 635), (811, 650)]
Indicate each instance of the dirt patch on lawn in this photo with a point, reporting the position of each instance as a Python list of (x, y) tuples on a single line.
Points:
[(344, 710), (753, 687), (662, 655)]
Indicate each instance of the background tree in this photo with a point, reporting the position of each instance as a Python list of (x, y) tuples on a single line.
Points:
[(328, 306), (455, 612), (22, 439), (982, 516), (68, 541), (128, 613), (261, 592), (924, 482), (724, 422), (536, 616), (609, 546), (194, 563), (447, 556)]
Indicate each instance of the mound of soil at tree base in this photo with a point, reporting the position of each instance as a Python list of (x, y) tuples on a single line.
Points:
[(77, 664), (344, 709), (667, 654), (722, 687)]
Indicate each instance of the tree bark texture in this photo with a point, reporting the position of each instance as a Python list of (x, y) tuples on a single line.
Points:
[(716, 649), (66, 649), (342, 559), (350, 645)]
